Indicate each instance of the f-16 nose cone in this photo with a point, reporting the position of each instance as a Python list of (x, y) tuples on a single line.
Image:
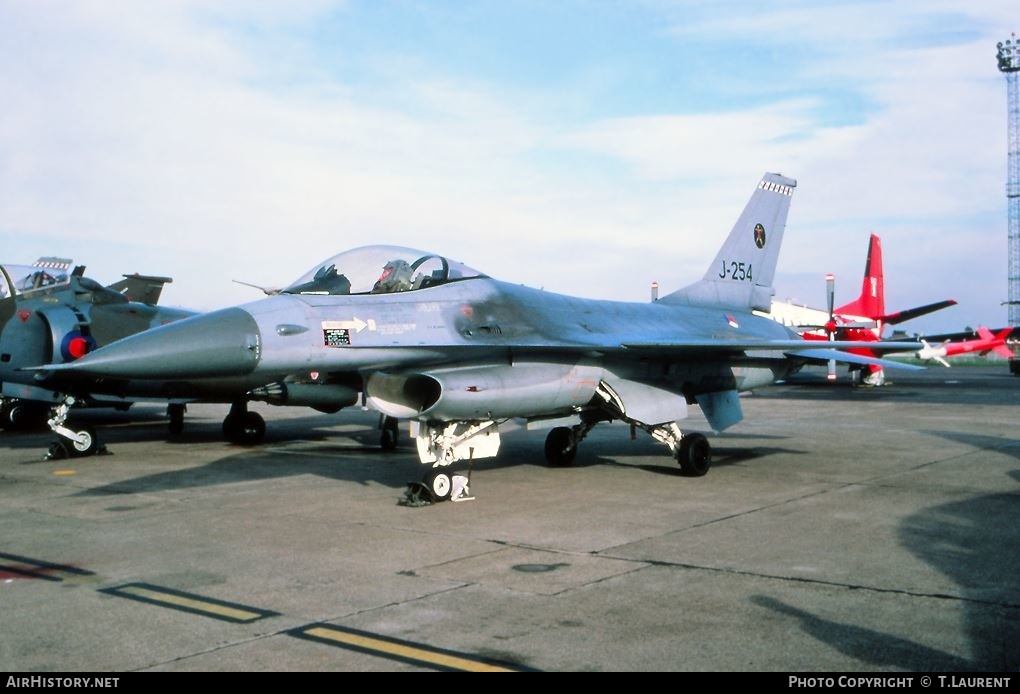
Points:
[(217, 344)]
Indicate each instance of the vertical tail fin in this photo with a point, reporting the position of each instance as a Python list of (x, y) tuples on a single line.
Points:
[(871, 302), (741, 275)]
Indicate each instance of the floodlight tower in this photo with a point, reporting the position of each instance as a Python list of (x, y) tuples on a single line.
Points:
[(1009, 64)]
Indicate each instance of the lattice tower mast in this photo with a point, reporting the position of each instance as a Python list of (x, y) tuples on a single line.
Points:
[(1009, 64)]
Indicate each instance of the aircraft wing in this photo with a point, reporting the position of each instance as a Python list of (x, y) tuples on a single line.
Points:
[(836, 355), (792, 346), (142, 288), (901, 316), (806, 349)]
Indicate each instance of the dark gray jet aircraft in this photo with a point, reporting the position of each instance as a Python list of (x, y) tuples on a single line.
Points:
[(427, 339), (51, 314)]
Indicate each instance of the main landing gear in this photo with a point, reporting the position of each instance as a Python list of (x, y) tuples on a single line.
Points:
[(240, 426), (561, 443), (694, 455), (243, 427), (692, 451), (441, 444)]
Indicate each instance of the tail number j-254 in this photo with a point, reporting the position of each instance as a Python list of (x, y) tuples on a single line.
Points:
[(736, 271)]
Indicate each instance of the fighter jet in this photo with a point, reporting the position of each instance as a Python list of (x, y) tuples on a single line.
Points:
[(428, 339), (53, 314)]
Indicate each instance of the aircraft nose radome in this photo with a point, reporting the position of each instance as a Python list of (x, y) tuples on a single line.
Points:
[(221, 343)]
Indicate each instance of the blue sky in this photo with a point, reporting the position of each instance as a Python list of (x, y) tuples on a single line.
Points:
[(587, 147)]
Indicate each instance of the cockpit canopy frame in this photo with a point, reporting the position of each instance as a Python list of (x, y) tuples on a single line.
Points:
[(18, 280), (380, 270)]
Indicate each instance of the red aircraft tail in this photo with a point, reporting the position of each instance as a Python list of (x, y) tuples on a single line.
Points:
[(871, 302)]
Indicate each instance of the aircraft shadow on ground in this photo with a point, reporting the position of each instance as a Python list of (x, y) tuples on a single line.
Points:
[(117, 428), (875, 648), (343, 463), (1000, 444), (721, 457), (355, 457), (973, 543)]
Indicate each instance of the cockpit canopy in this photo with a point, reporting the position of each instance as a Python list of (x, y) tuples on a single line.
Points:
[(24, 279), (380, 270)]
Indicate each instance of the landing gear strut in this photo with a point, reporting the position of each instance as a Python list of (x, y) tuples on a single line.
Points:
[(243, 427)]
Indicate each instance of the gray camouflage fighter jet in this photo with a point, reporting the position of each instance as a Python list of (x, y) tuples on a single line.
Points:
[(53, 314), (430, 340)]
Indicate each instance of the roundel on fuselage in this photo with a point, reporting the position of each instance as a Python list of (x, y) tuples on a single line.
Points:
[(75, 345)]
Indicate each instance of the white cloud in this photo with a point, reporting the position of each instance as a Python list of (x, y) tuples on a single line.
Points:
[(173, 138)]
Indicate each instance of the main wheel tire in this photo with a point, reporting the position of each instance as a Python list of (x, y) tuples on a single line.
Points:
[(694, 455), (439, 485), (252, 430), (245, 429), (559, 448)]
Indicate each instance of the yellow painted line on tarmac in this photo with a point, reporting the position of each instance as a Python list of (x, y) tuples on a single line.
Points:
[(65, 473), (397, 649), (189, 602)]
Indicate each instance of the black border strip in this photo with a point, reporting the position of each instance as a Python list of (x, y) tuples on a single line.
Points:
[(121, 592), (37, 568)]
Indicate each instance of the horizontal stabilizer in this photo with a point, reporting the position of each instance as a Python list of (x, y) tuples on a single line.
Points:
[(902, 316)]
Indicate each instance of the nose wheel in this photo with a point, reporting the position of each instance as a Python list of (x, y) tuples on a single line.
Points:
[(437, 486), (72, 443)]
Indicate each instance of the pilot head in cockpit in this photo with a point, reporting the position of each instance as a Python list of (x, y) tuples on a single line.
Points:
[(395, 277)]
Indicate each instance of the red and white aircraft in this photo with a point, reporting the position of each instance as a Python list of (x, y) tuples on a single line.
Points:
[(862, 319)]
